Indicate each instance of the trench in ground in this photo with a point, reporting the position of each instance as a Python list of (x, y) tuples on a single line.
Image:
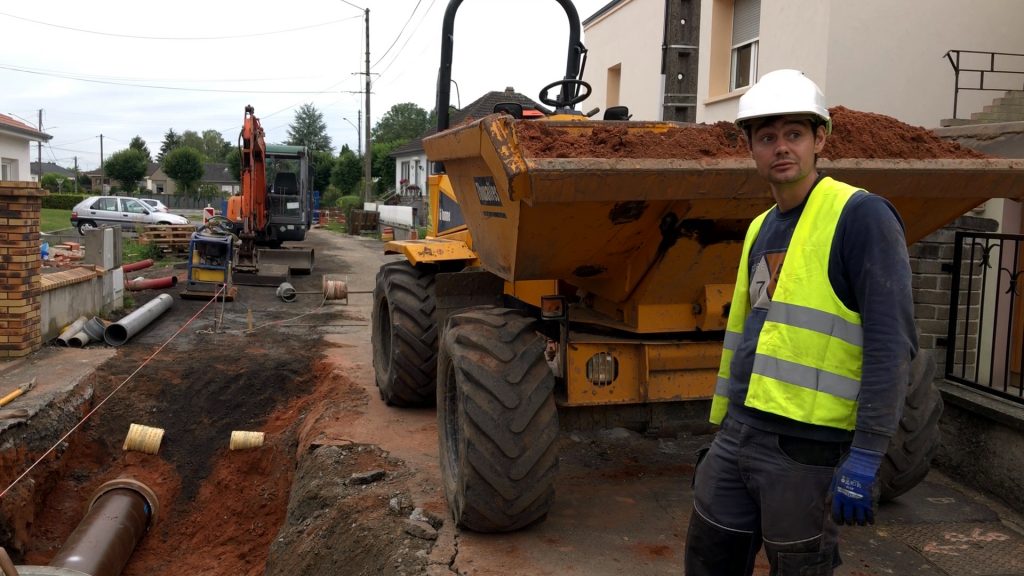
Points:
[(219, 510)]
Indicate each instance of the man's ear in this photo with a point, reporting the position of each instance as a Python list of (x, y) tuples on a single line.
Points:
[(819, 138)]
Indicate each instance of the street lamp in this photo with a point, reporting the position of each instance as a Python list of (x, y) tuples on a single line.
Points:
[(359, 132)]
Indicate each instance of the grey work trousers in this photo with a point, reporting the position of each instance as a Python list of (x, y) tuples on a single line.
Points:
[(772, 488)]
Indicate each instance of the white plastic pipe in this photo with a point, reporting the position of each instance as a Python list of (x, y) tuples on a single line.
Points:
[(71, 330), (119, 332)]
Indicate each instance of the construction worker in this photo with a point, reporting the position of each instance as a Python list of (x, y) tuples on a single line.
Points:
[(816, 359)]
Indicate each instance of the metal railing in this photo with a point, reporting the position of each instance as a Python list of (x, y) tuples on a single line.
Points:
[(985, 343), (997, 65)]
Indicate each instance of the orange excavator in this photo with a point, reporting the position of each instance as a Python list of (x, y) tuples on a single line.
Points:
[(248, 211), (273, 206)]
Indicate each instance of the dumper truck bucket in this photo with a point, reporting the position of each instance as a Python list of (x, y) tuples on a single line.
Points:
[(601, 223)]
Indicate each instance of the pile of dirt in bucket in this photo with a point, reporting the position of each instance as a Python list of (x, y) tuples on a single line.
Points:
[(854, 135)]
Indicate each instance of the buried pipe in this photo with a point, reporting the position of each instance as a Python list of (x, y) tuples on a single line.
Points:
[(119, 332), (133, 266), (151, 283), (69, 332), (120, 513)]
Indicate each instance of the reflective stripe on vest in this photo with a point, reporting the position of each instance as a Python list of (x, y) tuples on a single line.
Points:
[(807, 366)]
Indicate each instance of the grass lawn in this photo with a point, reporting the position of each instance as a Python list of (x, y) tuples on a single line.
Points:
[(53, 219)]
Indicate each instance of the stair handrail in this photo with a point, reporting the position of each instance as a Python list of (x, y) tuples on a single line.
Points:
[(954, 60)]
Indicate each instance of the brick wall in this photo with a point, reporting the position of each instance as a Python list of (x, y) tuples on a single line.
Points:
[(20, 264), (931, 260)]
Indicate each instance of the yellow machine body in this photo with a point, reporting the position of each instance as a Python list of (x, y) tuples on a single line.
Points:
[(589, 228)]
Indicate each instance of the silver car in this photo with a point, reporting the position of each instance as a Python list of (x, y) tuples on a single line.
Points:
[(128, 213)]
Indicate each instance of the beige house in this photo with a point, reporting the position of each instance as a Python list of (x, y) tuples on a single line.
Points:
[(873, 55), (894, 58), (16, 138)]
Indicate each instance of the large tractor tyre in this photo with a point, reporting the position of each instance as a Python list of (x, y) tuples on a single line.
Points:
[(404, 334), (917, 439), (497, 421)]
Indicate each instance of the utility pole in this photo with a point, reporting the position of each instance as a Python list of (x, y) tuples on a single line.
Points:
[(76, 174), (103, 173), (39, 147), (368, 159)]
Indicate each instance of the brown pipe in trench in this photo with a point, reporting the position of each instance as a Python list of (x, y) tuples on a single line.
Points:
[(138, 265), (151, 283), (119, 515)]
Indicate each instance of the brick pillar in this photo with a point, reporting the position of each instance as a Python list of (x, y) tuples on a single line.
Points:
[(20, 263)]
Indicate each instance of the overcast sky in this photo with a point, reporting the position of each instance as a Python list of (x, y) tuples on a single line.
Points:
[(126, 68)]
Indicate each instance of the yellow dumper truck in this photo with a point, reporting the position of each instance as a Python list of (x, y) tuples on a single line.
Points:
[(559, 280)]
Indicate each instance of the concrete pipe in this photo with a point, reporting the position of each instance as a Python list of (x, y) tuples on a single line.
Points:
[(95, 328), (69, 332), (79, 340), (119, 332), (132, 267), (137, 284), (119, 515)]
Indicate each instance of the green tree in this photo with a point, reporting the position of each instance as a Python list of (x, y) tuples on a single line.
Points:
[(234, 162), (347, 171), (139, 144), (382, 165), (171, 141), (127, 166), (322, 162), (193, 140), (52, 182), (309, 130), (185, 166), (402, 123), (215, 147)]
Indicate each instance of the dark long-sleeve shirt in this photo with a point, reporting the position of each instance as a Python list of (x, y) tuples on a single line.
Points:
[(870, 273)]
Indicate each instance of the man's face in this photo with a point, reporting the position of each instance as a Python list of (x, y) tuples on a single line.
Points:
[(784, 148)]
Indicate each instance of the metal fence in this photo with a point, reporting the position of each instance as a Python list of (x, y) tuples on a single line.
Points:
[(985, 344), (984, 69)]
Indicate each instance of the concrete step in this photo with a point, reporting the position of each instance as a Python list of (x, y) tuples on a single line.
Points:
[(998, 116), (947, 122), (1017, 108)]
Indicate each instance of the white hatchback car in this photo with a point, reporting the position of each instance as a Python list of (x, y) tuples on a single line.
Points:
[(155, 204), (97, 211)]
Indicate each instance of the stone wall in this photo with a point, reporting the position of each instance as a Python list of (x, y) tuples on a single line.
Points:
[(20, 263)]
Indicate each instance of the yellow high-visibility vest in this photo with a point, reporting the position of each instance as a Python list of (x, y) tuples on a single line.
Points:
[(809, 356)]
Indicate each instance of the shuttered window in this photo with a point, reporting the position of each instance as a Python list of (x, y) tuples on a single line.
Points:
[(746, 28)]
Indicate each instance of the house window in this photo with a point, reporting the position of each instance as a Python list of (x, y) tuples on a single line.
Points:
[(746, 28), (8, 169)]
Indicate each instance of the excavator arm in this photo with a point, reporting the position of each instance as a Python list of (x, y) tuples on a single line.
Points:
[(249, 211)]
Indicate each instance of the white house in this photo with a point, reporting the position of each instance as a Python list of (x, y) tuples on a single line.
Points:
[(872, 55), (16, 138)]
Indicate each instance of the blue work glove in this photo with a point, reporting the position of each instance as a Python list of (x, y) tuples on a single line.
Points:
[(853, 500)]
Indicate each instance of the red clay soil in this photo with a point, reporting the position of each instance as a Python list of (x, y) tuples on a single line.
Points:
[(854, 135), (219, 509)]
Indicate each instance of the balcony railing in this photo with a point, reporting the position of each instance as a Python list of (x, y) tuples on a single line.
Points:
[(985, 344), (1000, 67)]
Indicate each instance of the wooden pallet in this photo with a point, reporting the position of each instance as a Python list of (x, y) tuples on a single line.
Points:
[(168, 237)]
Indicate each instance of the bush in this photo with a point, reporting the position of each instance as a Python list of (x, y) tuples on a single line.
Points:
[(63, 201)]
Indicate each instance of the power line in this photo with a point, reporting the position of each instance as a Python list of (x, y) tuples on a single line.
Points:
[(115, 35), (155, 87), (395, 41), (408, 38)]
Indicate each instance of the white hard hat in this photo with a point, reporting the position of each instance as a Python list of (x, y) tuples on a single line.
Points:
[(783, 92)]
